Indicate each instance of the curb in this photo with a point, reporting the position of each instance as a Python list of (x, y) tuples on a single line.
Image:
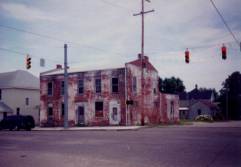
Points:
[(88, 129)]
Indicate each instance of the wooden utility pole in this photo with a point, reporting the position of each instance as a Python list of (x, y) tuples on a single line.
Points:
[(142, 13)]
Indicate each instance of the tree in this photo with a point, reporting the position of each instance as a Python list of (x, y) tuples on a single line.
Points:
[(230, 96), (171, 85)]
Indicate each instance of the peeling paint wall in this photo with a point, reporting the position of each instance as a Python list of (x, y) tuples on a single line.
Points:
[(86, 99), (169, 108), (82, 109), (150, 110)]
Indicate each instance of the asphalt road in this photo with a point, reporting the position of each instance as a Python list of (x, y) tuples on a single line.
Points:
[(163, 147)]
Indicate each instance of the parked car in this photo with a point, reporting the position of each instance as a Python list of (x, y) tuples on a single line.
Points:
[(17, 122), (205, 118)]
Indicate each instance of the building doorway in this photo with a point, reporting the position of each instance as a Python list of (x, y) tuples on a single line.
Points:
[(50, 115), (81, 116)]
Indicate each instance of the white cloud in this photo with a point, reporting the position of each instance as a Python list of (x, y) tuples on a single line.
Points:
[(27, 13), (113, 34)]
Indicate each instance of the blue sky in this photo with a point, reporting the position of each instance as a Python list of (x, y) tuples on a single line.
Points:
[(104, 34)]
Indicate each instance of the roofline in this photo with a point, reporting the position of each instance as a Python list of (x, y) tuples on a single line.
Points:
[(61, 72), (20, 88)]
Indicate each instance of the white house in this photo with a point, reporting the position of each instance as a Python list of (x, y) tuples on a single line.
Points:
[(19, 94)]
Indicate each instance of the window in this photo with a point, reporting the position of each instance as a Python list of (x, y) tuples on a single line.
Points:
[(97, 85), (154, 91), (5, 114), (114, 114), (18, 111), (115, 85), (62, 109), (134, 84), (50, 88), (81, 86), (0, 94), (99, 109), (50, 111), (26, 101), (199, 111), (62, 87)]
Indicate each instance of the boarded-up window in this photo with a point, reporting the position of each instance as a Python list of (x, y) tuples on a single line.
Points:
[(50, 88), (62, 109), (81, 86), (99, 109), (134, 84), (62, 87), (98, 85), (26, 101), (115, 85)]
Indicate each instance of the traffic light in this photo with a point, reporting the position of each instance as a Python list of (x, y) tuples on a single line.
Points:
[(224, 52), (187, 60), (28, 62)]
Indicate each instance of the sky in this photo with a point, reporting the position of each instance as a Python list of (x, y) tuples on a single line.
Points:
[(104, 34)]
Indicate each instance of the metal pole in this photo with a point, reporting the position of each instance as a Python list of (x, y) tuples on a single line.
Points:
[(65, 88), (126, 96), (142, 57)]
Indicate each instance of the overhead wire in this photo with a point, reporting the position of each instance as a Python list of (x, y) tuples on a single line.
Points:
[(224, 22)]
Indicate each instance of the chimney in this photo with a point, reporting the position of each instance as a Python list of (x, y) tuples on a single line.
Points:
[(58, 66), (196, 87), (139, 55), (145, 57)]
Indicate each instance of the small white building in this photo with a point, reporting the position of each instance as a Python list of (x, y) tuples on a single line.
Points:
[(19, 94)]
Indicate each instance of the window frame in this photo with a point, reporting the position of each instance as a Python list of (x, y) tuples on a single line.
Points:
[(115, 85), (134, 84), (99, 113), (62, 110), (48, 88), (98, 85), (79, 88), (62, 88), (27, 100)]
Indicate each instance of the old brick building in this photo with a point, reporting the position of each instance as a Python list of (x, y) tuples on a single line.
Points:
[(106, 97)]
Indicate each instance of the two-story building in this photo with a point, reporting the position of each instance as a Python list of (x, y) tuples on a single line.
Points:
[(19, 94), (106, 97)]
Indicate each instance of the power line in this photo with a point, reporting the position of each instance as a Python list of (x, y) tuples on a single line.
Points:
[(225, 23), (21, 53), (29, 32), (115, 5), (55, 39)]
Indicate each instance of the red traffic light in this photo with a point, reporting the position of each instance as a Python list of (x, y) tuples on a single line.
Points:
[(187, 54), (224, 52)]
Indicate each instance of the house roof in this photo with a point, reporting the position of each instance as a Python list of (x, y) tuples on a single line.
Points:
[(146, 61), (196, 94), (4, 107), (207, 103), (18, 79), (75, 70)]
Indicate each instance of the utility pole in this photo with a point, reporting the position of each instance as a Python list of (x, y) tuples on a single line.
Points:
[(142, 13), (65, 88), (227, 90)]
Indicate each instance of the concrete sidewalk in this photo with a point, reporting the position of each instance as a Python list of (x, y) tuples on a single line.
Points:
[(92, 128), (224, 124)]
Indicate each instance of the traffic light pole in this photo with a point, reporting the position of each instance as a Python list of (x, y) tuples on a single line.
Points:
[(65, 88)]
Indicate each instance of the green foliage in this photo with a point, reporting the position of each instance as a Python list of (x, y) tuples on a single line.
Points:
[(230, 96), (171, 85)]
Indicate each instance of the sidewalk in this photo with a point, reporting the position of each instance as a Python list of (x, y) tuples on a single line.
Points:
[(224, 124), (91, 128)]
